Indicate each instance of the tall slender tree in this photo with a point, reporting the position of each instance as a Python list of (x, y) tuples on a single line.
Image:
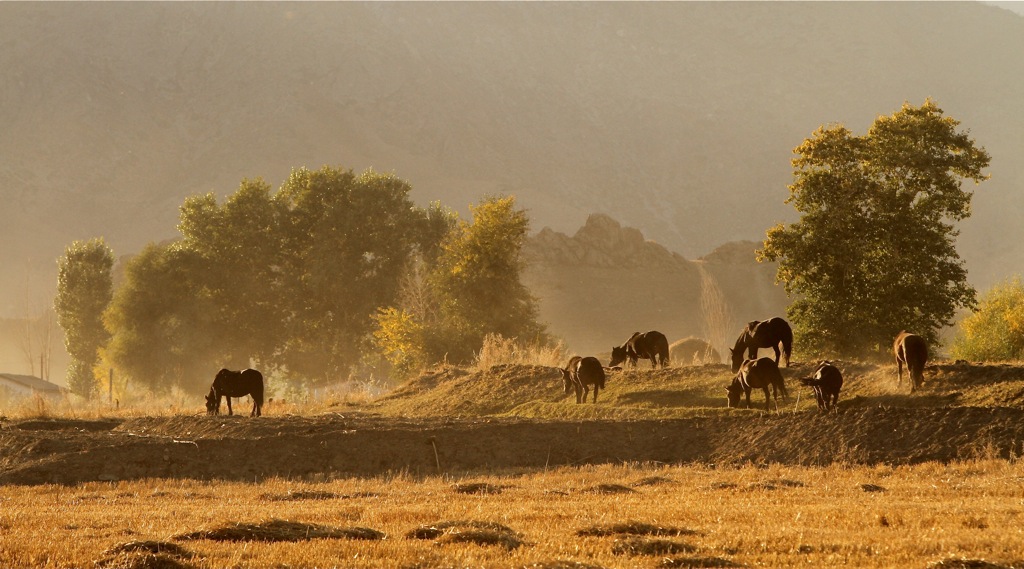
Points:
[(84, 289)]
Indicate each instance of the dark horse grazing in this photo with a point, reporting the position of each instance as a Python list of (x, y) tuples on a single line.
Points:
[(912, 350), (826, 381), (581, 373), (236, 384), (650, 346), (760, 374), (762, 334)]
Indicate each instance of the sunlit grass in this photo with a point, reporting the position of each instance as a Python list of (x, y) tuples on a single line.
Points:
[(750, 516)]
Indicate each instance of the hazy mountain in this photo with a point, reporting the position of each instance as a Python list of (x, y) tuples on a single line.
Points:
[(606, 281), (677, 118)]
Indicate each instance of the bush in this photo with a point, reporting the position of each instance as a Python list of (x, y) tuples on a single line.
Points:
[(995, 331)]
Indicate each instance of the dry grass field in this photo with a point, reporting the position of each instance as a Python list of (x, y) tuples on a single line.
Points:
[(929, 514), (495, 467)]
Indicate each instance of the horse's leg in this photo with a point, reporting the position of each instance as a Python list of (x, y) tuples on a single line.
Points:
[(595, 392), (579, 394), (778, 354), (586, 390), (768, 399), (899, 371), (747, 390), (229, 406)]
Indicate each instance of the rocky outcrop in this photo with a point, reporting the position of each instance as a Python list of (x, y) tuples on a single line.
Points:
[(601, 242)]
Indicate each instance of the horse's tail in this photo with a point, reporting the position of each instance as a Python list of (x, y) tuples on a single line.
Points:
[(787, 342)]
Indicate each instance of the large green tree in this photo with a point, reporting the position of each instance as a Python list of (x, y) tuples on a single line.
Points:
[(84, 288), (241, 256), (348, 238), (874, 249), (162, 320)]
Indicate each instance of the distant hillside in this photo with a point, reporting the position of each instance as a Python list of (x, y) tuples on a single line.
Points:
[(607, 281), (677, 118)]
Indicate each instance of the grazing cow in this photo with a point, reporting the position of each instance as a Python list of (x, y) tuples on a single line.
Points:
[(761, 374), (650, 346), (826, 381), (236, 384), (580, 374), (910, 349), (693, 351), (767, 334)]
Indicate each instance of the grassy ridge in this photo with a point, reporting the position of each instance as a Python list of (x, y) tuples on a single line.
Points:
[(535, 392)]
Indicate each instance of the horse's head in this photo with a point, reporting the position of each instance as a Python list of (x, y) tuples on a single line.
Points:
[(212, 404), (734, 392), (619, 355), (737, 355), (567, 380)]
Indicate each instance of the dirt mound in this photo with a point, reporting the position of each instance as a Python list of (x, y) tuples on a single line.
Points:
[(460, 422)]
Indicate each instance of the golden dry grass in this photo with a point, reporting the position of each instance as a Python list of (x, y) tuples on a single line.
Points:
[(694, 516)]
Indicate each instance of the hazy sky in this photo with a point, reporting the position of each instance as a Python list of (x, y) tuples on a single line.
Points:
[(1017, 7)]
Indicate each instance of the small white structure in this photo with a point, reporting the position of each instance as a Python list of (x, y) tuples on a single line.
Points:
[(16, 386)]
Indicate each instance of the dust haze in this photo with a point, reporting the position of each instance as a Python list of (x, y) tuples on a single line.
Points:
[(676, 119)]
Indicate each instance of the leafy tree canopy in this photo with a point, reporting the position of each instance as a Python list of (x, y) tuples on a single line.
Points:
[(874, 249), (477, 281), (995, 331), (162, 319)]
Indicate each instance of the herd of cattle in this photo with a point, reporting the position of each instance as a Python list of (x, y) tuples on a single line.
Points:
[(582, 374)]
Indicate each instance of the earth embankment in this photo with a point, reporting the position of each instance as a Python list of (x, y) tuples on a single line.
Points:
[(513, 417)]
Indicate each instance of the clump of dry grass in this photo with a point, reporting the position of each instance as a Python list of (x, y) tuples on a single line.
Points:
[(645, 546), (469, 531), (280, 530), (150, 546), (297, 495), (632, 528), (610, 489), (653, 481), (478, 488), (561, 564), (697, 562), (964, 563), (499, 350), (142, 560), (145, 555)]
